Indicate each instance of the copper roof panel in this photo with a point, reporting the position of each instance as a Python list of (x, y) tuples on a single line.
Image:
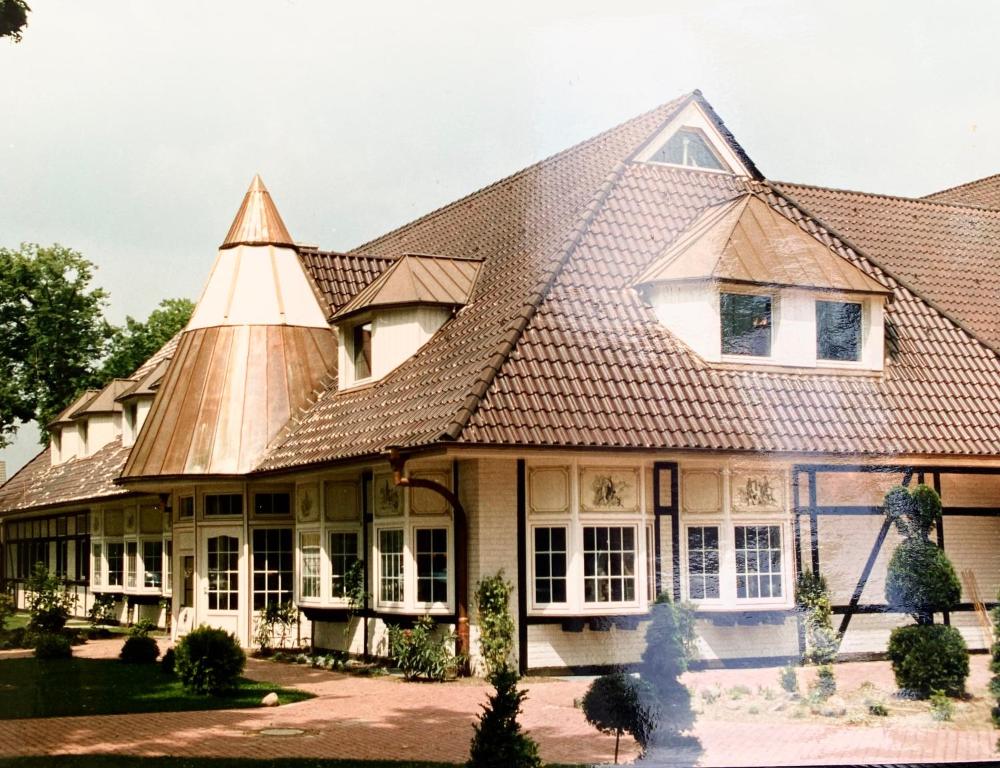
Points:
[(257, 222)]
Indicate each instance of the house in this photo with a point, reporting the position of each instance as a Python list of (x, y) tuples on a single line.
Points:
[(638, 366)]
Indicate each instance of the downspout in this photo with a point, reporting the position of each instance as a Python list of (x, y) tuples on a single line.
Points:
[(461, 525)]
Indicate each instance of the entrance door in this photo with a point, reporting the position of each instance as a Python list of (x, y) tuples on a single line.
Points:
[(220, 576)]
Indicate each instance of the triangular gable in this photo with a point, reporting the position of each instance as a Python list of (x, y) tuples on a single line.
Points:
[(745, 240), (696, 131)]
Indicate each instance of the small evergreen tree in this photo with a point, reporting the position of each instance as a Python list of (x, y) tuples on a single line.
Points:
[(669, 648), (813, 600), (921, 582), (498, 741), (615, 704)]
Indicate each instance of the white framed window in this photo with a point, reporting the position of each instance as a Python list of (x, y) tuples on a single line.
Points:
[(223, 504), (152, 564), (609, 564), (131, 564), (431, 555), (703, 562), (267, 504), (96, 564), (390, 566), (271, 565), (747, 321), (185, 507), (223, 573), (115, 560), (758, 562), (550, 564), (309, 565), (344, 548), (839, 331), (168, 566), (361, 350)]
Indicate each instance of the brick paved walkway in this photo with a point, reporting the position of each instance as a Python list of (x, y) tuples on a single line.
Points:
[(382, 718)]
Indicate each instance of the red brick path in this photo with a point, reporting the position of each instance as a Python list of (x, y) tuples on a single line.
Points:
[(385, 718)]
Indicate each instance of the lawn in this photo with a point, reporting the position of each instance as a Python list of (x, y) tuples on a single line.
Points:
[(67, 687), (128, 761)]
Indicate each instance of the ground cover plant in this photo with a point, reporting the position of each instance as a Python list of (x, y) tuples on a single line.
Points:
[(921, 581), (66, 687)]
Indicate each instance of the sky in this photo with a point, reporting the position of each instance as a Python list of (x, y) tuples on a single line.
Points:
[(130, 130)]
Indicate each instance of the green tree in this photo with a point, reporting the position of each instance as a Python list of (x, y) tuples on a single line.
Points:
[(498, 741), (135, 342), (53, 330), (13, 18), (670, 646), (615, 704)]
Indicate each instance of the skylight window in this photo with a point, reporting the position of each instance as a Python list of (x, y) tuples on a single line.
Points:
[(746, 324), (688, 146), (838, 331)]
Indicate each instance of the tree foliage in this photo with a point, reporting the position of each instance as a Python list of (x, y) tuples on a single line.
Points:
[(498, 741), (615, 704), (496, 626), (670, 646), (135, 342), (13, 18), (52, 325)]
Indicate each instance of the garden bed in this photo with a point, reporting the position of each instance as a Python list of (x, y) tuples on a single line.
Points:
[(69, 687)]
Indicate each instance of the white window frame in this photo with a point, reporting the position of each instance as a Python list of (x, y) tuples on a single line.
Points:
[(431, 606), (399, 524), (328, 532), (866, 335), (575, 520), (300, 557), (705, 522), (775, 297)]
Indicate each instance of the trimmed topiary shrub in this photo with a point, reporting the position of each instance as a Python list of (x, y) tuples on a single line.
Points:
[(53, 646), (813, 601), (209, 661), (921, 582), (615, 704), (929, 658), (498, 741), (139, 649)]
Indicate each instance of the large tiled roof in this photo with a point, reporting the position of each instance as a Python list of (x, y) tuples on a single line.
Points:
[(950, 254), (39, 484), (341, 276), (982, 193), (595, 368)]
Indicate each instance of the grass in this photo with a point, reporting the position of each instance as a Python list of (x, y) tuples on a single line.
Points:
[(128, 761), (67, 687), (19, 619)]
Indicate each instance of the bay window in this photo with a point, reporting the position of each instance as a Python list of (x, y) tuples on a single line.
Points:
[(746, 324), (838, 331), (609, 556), (758, 561), (390, 577), (550, 564), (432, 565), (152, 563), (116, 563), (343, 556), (703, 562), (309, 583), (272, 567), (97, 565)]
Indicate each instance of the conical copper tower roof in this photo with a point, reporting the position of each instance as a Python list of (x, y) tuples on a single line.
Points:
[(258, 221)]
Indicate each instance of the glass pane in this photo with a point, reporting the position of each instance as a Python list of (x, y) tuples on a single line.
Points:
[(746, 324), (838, 330)]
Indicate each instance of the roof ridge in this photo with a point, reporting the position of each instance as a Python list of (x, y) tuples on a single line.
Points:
[(886, 196), (967, 184), (878, 263), (677, 103), (531, 305)]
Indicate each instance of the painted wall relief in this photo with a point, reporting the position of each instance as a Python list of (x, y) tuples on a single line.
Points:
[(758, 492), (609, 490)]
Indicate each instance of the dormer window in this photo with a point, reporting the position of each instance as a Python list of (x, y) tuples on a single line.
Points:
[(689, 147), (838, 330), (361, 343), (746, 324)]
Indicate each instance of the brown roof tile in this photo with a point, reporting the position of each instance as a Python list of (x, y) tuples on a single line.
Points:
[(982, 193)]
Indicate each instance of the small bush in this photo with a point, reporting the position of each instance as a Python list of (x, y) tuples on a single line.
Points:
[(927, 658), (738, 692), (167, 662), (826, 684), (614, 704), (209, 661), (139, 649), (788, 679), (876, 708), (941, 707), (48, 601), (19, 637), (709, 696), (103, 610), (813, 601), (53, 646), (422, 652), (670, 645), (498, 741), (921, 580), (275, 622)]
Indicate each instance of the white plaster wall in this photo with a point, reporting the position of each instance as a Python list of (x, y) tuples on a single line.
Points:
[(397, 334), (691, 313), (100, 432), (719, 642), (550, 646)]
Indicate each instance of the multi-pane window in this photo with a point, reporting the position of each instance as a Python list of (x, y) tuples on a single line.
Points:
[(746, 324), (650, 565), (309, 578), (703, 561), (758, 561), (343, 556), (152, 564), (432, 565), (185, 507), (550, 565), (609, 564), (221, 504), (187, 596), (272, 566), (390, 545), (272, 503), (131, 564), (116, 563), (361, 342), (168, 581), (95, 554), (838, 330), (223, 573)]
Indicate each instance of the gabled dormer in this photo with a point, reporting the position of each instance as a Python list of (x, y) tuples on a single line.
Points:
[(398, 312), (746, 285), (137, 399), (694, 139)]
